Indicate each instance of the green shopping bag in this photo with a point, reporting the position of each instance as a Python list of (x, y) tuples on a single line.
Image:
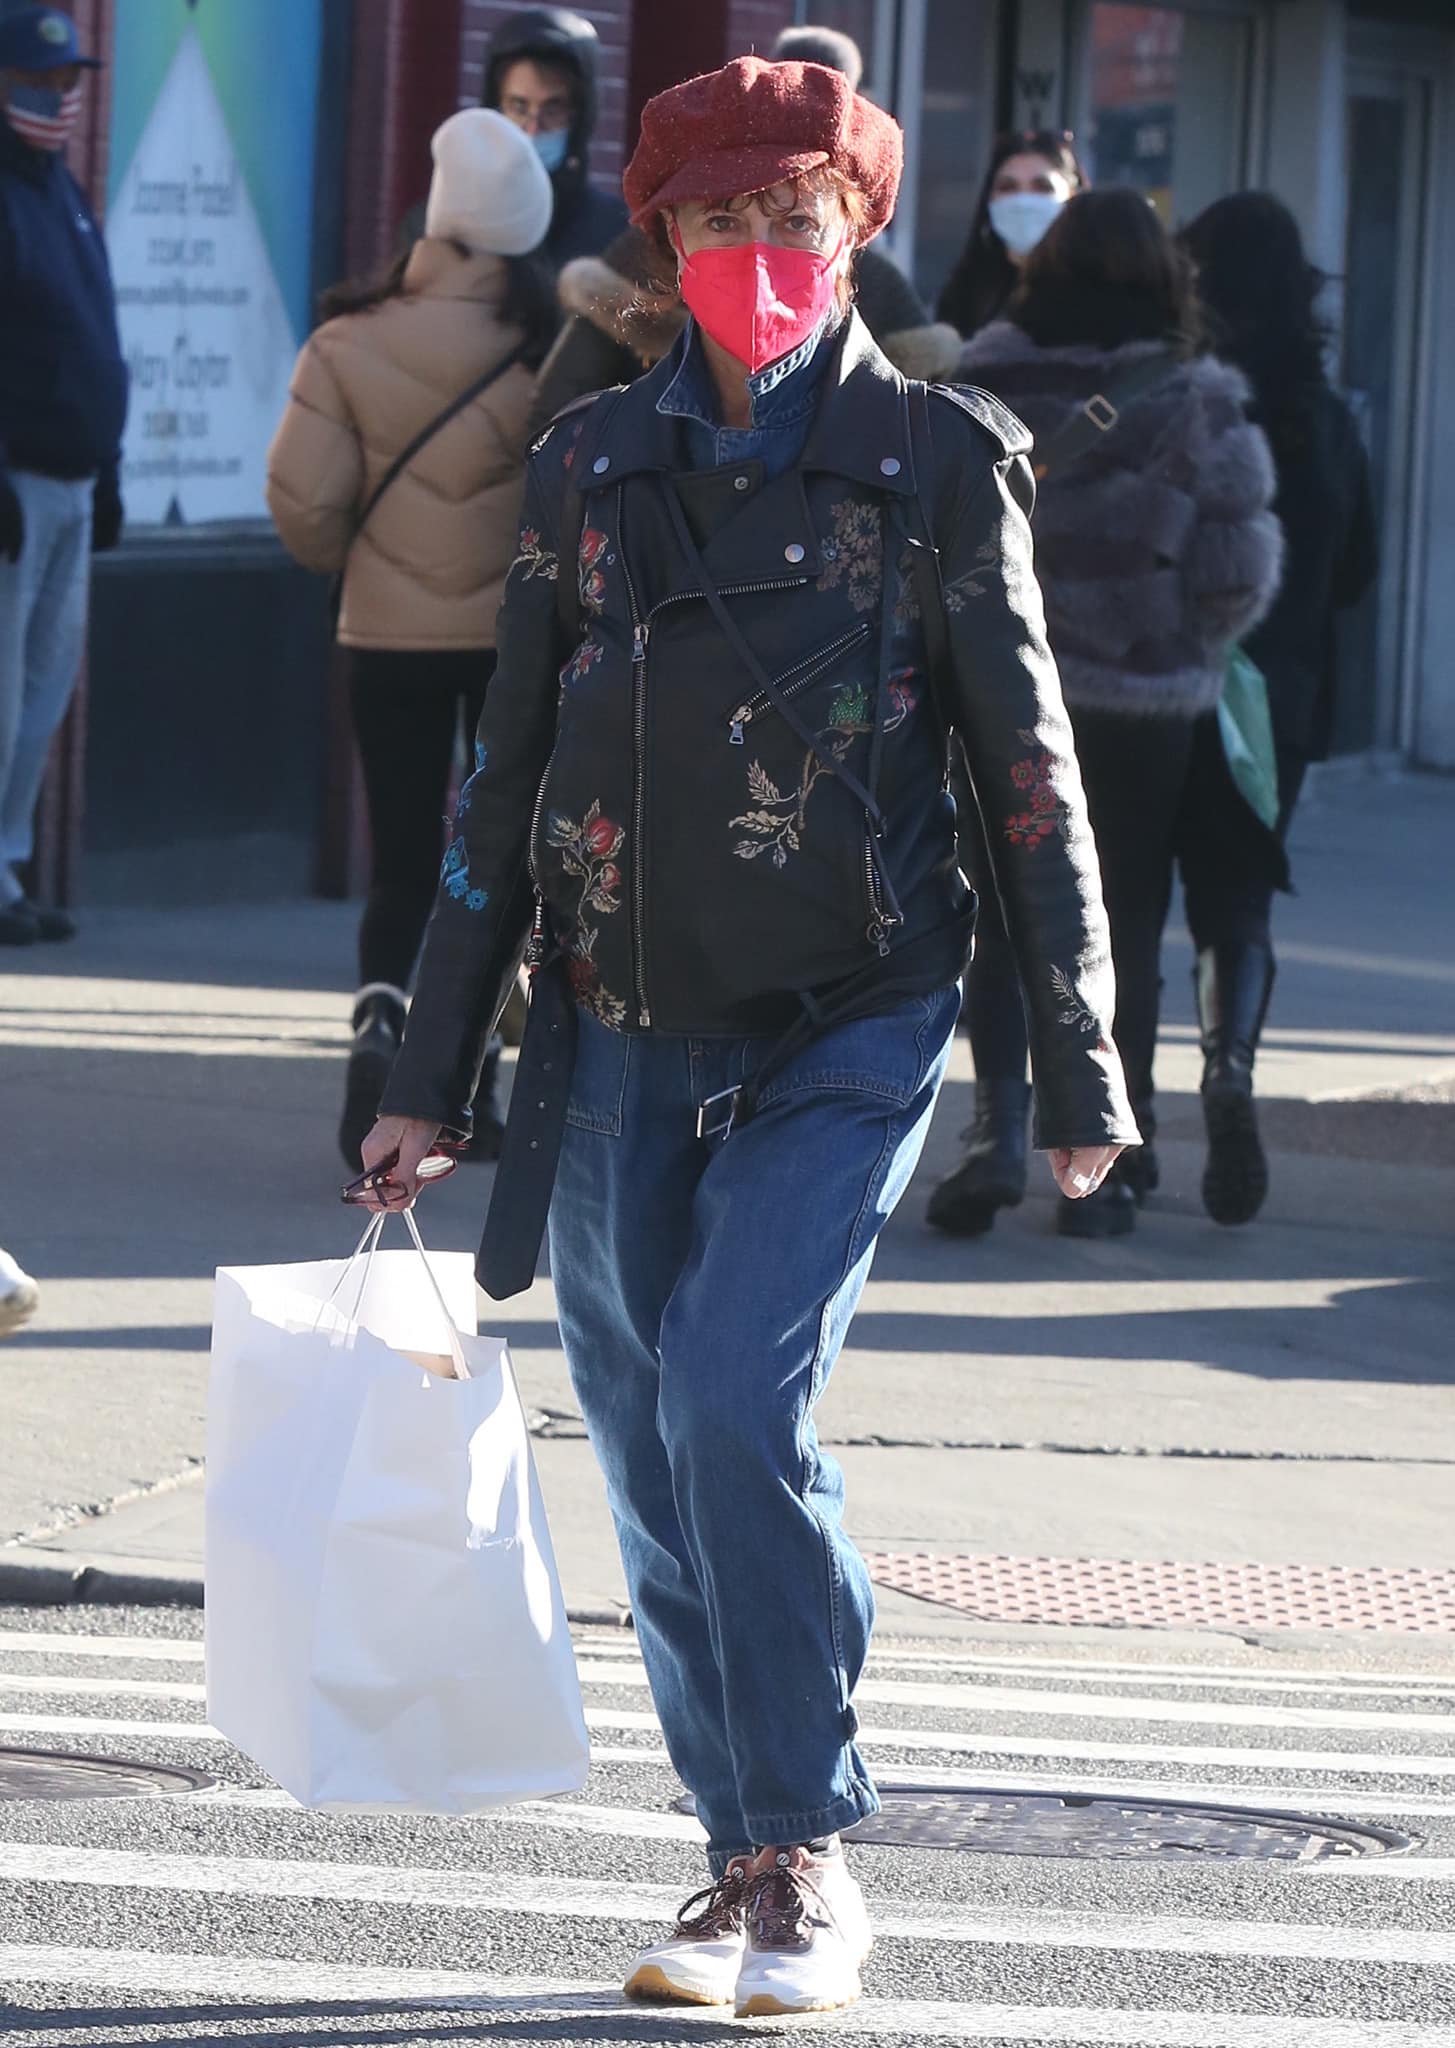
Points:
[(1247, 733)]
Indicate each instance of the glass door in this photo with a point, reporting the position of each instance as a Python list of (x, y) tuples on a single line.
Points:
[(1384, 371)]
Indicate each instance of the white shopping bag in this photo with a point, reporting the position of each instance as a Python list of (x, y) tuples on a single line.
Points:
[(385, 1627)]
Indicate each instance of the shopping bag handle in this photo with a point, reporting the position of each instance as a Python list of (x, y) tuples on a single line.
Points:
[(365, 1249)]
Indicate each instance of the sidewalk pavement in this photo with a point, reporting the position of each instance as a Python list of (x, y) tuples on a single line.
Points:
[(1283, 1394)]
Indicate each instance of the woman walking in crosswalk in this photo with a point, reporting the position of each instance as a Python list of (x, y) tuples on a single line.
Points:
[(712, 785)]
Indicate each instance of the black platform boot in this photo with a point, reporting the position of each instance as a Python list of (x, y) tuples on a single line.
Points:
[(378, 1028), (1139, 1167), (489, 1125), (1233, 985), (992, 1174)]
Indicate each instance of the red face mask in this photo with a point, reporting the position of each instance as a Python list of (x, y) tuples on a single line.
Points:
[(756, 300)]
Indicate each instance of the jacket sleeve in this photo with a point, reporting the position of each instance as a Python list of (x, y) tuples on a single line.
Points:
[(316, 466), (1357, 564), (483, 908), (1234, 555), (1007, 707)]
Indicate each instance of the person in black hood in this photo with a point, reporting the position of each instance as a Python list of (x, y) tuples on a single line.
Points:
[(540, 72)]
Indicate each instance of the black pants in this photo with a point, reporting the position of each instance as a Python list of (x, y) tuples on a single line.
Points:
[(407, 709), (1160, 795)]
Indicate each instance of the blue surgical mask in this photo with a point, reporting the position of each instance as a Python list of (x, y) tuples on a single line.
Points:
[(552, 145), (1022, 218)]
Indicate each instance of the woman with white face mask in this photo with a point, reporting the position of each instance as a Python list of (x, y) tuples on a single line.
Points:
[(1032, 174)]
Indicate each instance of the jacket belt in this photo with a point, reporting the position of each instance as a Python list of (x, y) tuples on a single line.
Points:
[(526, 1176)]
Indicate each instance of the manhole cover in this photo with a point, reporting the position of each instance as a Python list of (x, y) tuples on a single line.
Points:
[(47, 1774), (1071, 1824)]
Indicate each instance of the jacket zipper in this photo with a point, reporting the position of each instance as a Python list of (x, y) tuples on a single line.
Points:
[(793, 680), (640, 632), (883, 923)]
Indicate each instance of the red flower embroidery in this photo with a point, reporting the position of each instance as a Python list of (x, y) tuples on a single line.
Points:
[(1033, 775), (593, 544), (603, 836)]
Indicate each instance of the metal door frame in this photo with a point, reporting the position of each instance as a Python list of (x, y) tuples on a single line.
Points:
[(1411, 65)]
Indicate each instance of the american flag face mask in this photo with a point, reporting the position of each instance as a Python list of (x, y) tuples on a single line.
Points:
[(43, 115)]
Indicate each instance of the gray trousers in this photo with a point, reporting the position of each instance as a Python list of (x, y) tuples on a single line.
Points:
[(43, 600)]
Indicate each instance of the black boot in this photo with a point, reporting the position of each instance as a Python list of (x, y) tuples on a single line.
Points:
[(378, 1028), (992, 1175), (1110, 1212), (489, 1125), (1139, 1168), (1233, 985)]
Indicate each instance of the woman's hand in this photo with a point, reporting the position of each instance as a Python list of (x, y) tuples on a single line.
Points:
[(396, 1145), (1079, 1173)]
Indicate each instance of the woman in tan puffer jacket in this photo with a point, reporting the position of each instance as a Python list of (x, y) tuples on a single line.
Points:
[(423, 573)]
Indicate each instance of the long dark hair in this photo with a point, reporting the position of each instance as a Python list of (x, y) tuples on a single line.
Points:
[(1262, 299), (1107, 272), (529, 302), (984, 278)]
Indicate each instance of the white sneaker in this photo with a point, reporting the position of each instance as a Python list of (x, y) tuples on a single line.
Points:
[(698, 1962), (807, 1934), (19, 1295)]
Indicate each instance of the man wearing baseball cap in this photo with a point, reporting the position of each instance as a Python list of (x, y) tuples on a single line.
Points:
[(753, 592), (62, 408)]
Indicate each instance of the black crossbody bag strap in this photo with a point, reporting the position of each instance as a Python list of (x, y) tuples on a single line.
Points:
[(1094, 420), (426, 434), (925, 558), (732, 633)]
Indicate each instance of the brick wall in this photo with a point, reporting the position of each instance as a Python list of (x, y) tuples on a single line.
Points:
[(612, 22)]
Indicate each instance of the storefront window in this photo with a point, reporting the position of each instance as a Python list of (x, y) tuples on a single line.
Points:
[(209, 228), (1168, 103)]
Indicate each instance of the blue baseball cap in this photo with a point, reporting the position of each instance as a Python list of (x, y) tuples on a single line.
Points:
[(41, 39)]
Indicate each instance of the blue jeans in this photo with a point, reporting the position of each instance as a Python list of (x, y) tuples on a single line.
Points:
[(704, 1288), (43, 600)]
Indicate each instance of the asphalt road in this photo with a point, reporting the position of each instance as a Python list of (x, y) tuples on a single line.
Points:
[(236, 1916)]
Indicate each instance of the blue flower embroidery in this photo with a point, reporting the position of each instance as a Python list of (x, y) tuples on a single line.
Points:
[(479, 757), (455, 876)]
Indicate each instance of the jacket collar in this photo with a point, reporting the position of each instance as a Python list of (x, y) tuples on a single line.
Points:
[(860, 429)]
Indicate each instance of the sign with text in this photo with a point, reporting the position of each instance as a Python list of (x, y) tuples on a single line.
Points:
[(208, 333)]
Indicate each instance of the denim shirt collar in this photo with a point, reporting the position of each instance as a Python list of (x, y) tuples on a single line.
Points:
[(783, 395)]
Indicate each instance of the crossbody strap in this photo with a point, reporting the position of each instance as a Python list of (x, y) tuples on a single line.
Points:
[(1098, 416), (427, 433), (924, 557), (733, 634)]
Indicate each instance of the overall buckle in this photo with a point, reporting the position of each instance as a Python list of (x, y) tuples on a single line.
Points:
[(712, 1117)]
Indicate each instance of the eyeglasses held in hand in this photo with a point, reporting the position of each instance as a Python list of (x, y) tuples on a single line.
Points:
[(377, 1183)]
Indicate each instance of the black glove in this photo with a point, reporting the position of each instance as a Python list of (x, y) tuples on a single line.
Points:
[(12, 520), (106, 513)]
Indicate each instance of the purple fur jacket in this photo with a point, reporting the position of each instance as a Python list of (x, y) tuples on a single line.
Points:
[(1158, 548)]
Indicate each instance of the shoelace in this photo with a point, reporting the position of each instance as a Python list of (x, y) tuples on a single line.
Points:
[(776, 1903), (722, 1907)]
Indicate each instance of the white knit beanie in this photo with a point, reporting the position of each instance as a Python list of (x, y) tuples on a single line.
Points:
[(490, 189)]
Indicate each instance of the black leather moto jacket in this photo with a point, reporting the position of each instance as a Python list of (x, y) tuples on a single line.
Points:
[(706, 851)]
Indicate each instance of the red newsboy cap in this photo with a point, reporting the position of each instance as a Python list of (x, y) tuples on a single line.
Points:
[(755, 124)]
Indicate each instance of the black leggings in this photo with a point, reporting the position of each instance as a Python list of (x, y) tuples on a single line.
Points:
[(407, 709), (1159, 794)]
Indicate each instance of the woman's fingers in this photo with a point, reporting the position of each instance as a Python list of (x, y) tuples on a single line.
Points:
[(393, 1150), (1081, 1172)]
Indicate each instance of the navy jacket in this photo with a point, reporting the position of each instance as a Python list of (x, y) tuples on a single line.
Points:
[(62, 375)]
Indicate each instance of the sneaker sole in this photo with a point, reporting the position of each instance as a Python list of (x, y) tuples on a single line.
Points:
[(17, 1308), (652, 1986), (764, 2006)]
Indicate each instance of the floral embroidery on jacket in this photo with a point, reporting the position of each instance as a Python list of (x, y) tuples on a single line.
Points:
[(590, 582), (1075, 1009), (1044, 813), (455, 877), (853, 554), (959, 591), (590, 851), (903, 697), (777, 823), (536, 559), (582, 661)]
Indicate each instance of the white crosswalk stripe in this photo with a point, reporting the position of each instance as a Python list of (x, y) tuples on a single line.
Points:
[(246, 1977), (595, 1864)]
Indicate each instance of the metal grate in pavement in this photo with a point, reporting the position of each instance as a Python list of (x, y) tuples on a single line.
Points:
[(1122, 1592), (48, 1774)]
